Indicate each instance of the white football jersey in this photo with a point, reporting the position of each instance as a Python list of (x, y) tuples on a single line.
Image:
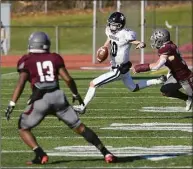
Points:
[(119, 45)]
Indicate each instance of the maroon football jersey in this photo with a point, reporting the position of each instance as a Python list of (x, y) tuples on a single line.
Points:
[(41, 67), (177, 65)]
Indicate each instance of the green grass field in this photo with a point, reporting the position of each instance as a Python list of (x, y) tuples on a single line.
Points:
[(75, 30), (144, 128)]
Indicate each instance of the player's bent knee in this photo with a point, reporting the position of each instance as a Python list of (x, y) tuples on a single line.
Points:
[(164, 89), (92, 84), (79, 129)]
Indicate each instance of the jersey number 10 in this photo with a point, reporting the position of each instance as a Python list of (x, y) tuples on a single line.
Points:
[(114, 48)]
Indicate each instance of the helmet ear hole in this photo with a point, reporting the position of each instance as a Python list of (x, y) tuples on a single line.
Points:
[(45, 47)]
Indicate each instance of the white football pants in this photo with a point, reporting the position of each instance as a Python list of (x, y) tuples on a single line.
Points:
[(113, 75)]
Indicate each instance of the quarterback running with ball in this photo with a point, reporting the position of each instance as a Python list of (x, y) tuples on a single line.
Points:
[(119, 41)]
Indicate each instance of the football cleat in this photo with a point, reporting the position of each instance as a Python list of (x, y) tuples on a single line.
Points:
[(189, 103), (110, 158), (79, 109), (162, 79), (38, 160)]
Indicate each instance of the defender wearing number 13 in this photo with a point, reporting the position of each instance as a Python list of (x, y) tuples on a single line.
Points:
[(41, 68), (119, 41)]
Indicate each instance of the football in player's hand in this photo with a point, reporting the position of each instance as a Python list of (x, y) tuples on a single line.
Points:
[(102, 54)]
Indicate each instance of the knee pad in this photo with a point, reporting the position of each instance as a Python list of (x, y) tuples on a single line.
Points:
[(164, 89)]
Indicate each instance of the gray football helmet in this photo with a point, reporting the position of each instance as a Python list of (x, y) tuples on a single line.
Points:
[(40, 41), (159, 37)]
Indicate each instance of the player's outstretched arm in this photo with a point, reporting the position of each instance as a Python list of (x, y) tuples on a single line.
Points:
[(150, 66), (23, 76), (71, 84), (138, 44)]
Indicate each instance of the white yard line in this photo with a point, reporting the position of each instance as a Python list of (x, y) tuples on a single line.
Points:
[(98, 92), (114, 97), (126, 103), (6, 74), (91, 167), (55, 138), (122, 109), (114, 117), (104, 88)]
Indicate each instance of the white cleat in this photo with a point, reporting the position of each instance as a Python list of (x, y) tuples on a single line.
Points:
[(162, 79), (189, 103), (79, 109)]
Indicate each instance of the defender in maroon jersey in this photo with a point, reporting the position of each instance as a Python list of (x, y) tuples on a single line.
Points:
[(42, 68), (179, 76)]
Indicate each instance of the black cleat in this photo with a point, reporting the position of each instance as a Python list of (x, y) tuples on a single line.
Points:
[(38, 160)]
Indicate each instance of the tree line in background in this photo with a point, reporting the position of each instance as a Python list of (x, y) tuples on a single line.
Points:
[(34, 5)]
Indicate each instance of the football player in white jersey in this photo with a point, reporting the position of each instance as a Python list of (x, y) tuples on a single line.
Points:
[(119, 41)]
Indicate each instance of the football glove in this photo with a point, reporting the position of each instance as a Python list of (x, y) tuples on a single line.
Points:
[(9, 110), (140, 45), (78, 98)]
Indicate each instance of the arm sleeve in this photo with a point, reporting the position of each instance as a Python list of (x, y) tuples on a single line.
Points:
[(131, 36), (59, 62), (21, 65), (161, 63)]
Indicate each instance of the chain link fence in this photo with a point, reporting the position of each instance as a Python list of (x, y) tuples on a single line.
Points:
[(65, 43), (77, 39)]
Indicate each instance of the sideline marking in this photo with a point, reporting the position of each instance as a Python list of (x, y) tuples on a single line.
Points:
[(151, 126), (150, 153)]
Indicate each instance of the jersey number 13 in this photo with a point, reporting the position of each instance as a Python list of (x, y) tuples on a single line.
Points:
[(45, 71)]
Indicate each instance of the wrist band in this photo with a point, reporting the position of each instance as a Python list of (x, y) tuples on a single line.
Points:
[(11, 103)]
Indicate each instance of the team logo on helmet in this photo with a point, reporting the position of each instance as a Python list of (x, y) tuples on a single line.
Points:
[(116, 21)]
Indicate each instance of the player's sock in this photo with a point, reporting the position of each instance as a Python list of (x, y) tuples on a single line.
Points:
[(39, 151), (92, 138), (89, 95), (146, 83), (40, 157)]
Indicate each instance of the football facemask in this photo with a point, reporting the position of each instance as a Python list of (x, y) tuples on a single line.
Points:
[(114, 27)]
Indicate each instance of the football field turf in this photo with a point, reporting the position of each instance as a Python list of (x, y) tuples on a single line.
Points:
[(144, 129)]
